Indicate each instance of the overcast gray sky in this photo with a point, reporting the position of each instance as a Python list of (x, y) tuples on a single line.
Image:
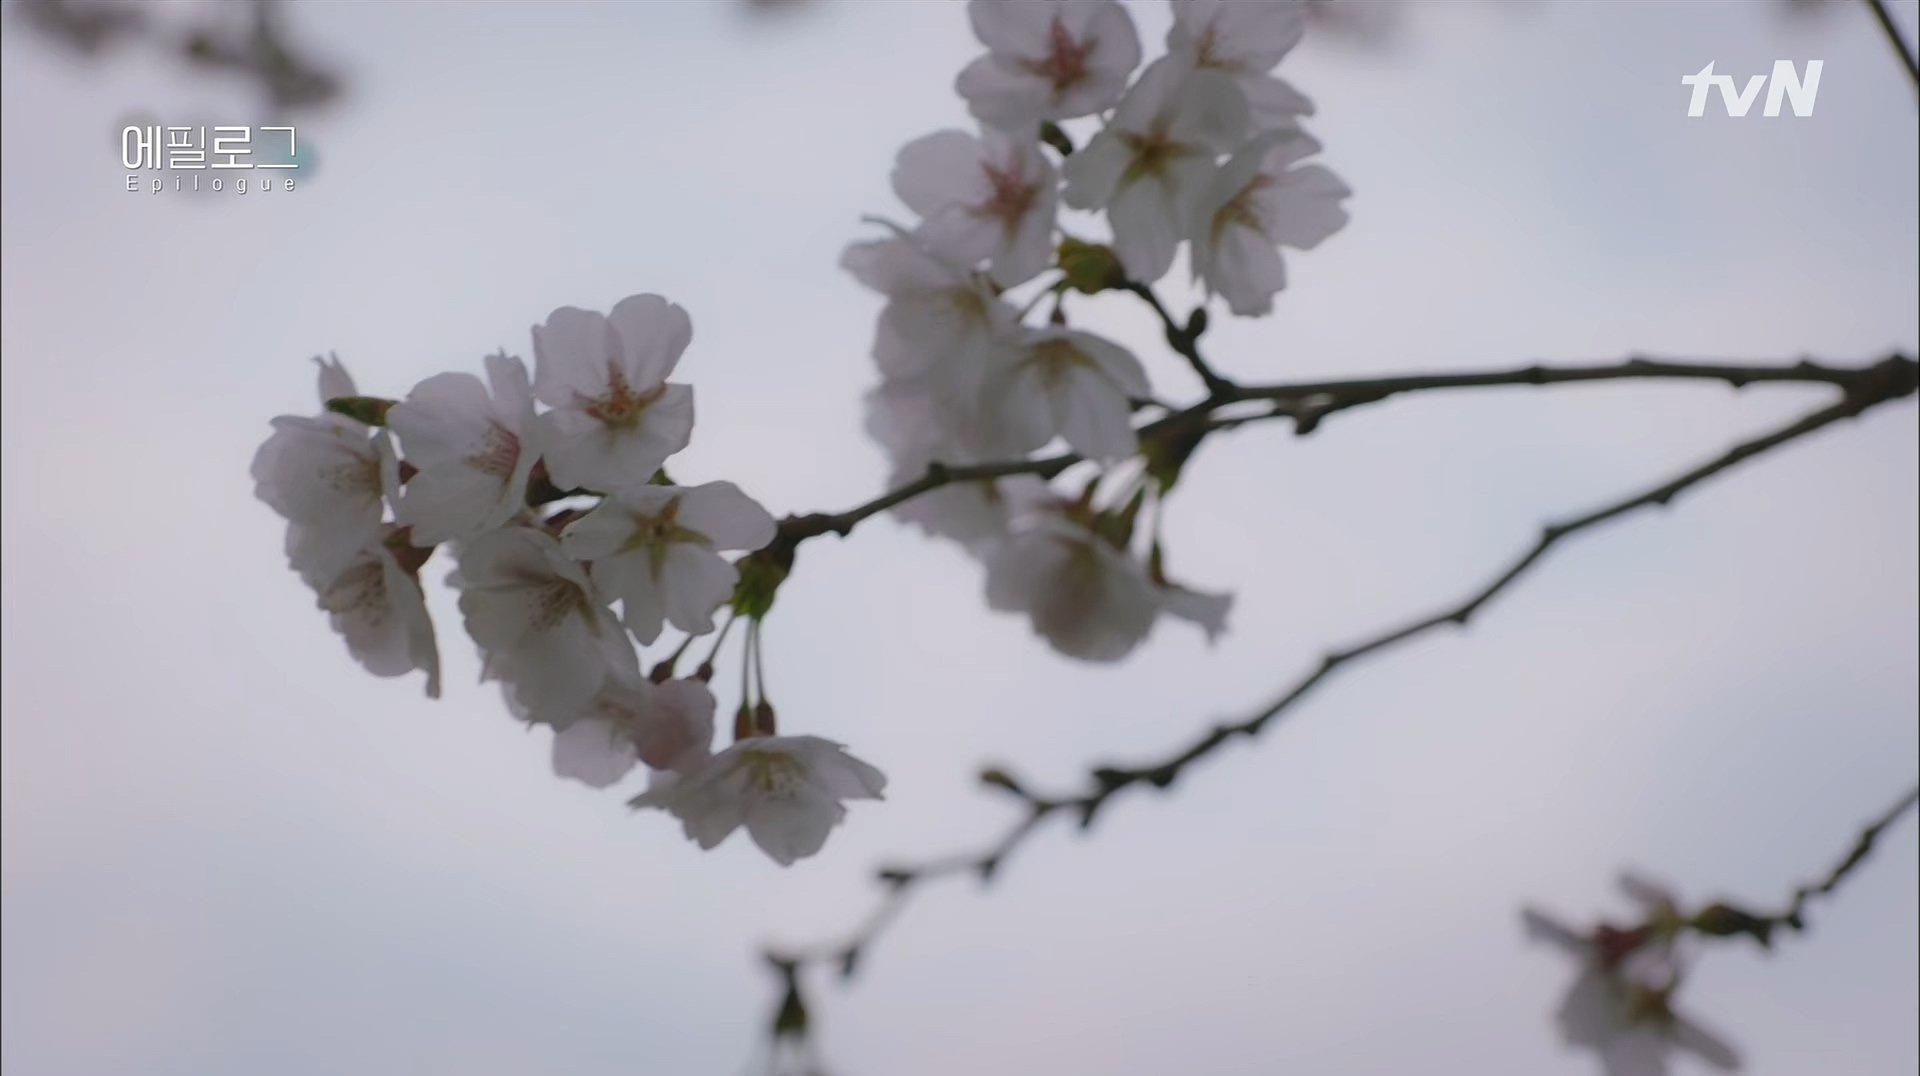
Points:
[(229, 852)]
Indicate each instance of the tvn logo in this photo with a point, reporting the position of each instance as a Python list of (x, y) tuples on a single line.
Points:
[(1785, 83)]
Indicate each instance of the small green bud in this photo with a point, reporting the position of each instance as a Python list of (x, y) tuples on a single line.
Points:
[(790, 1022), (1090, 267), (1168, 450), (1725, 921), (1052, 135), (366, 410), (761, 574)]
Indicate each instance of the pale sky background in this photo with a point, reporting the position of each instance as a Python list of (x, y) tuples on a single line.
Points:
[(230, 852)]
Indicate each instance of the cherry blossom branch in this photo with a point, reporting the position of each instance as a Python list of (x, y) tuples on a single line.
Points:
[(1891, 30), (1185, 339), (1307, 402), (1726, 920), (1891, 379), (1339, 395)]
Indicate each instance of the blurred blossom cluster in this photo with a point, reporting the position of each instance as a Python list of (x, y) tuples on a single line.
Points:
[(549, 489), (1620, 1004), (1202, 148)]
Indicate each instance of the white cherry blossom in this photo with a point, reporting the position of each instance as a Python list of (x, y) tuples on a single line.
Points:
[(1083, 593), (788, 791), (615, 417), (987, 198), (1149, 167), (655, 548), (942, 323), (668, 726), (541, 624), (330, 478), (1244, 41), (1088, 599), (1620, 1004), (377, 606), (1067, 383), (1047, 59), (470, 451), (1259, 201)]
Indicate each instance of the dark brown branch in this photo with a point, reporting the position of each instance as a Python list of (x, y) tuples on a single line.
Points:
[(796, 529), (1308, 402), (1739, 375), (1726, 920), (1184, 339), (1891, 31), (1890, 380)]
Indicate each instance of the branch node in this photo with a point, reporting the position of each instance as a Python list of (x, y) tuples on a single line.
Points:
[(896, 877)]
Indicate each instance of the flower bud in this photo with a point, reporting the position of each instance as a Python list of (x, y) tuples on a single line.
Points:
[(1090, 267), (366, 410), (761, 574)]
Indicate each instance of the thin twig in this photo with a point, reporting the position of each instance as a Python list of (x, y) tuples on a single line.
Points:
[(1856, 855), (1184, 339), (1891, 31), (1895, 380)]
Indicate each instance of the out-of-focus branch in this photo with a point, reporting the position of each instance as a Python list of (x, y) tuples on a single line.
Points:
[(1184, 339), (264, 51), (1861, 390), (1891, 31), (1728, 920)]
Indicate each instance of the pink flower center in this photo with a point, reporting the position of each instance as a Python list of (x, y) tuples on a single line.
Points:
[(1243, 211), (620, 405), (1066, 62), (498, 453), (1011, 199)]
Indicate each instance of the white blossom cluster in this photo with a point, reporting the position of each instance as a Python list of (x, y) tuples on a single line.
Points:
[(1202, 147), (1620, 1005), (555, 516)]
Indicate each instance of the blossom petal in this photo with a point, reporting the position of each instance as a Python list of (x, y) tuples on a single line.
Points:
[(694, 583), (728, 517), (594, 752), (653, 334), (572, 356)]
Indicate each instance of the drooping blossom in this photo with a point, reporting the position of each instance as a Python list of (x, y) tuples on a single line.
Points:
[(991, 198), (788, 791), (471, 451), (541, 624), (1081, 590), (668, 726), (1620, 1004), (1087, 598), (377, 606), (1047, 59), (1244, 41), (656, 549), (615, 417), (1260, 201), (1071, 384), (1149, 167)]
